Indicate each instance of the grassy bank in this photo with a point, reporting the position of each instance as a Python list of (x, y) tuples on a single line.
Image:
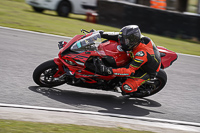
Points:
[(17, 14), (10, 126)]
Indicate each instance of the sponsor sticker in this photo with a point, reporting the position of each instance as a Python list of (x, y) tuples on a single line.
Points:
[(119, 47)]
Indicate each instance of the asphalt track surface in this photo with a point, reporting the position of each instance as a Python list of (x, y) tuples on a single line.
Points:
[(21, 52)]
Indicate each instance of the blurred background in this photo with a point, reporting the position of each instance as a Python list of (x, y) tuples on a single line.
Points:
[(174, 5), (172, 18), (174, 24)]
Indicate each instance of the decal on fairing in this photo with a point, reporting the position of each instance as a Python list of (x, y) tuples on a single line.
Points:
[(121, 74), (85, 75), (79, 57), (120, 48)]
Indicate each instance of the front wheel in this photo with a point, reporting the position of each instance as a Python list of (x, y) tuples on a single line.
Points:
[(152, 86), (43, 75)]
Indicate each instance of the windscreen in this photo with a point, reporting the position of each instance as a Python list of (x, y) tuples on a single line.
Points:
[(89, 43)]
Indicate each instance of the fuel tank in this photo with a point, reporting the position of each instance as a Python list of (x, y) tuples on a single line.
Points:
[(114, 55)]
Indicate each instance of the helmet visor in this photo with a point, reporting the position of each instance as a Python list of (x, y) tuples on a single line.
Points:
[(123, 43), (132, 41), (121, 40)]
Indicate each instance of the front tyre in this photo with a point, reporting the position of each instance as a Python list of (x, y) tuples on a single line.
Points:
[(43, 74), (152, 86)]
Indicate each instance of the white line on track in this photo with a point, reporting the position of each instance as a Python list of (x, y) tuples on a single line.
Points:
[(39, 33), (102, 114), (34, 32)]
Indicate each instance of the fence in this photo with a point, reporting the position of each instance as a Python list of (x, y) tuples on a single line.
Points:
[(166, 23)]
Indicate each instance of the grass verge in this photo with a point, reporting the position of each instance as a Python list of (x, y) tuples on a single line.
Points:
[(11, 126), (17, 14)]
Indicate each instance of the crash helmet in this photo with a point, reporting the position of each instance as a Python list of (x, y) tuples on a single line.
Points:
[(129, 37)]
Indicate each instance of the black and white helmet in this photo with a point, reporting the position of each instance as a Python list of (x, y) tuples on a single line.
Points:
[(129, 37)]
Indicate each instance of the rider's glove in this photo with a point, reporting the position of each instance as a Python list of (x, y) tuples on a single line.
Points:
[(106, 70)]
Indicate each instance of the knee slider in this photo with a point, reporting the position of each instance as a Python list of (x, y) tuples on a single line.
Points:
[(129, 86)]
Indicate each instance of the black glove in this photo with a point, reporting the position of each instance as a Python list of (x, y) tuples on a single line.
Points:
[(104, 70)]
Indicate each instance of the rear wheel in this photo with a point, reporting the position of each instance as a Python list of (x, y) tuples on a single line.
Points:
[(152, 86), (43, 75)]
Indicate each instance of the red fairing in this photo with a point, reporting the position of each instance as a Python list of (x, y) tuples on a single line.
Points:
[(167, 57), (60, 68), (112, 48), (75, 38)]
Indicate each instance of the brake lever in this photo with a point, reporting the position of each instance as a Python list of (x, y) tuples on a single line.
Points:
[(84, 31)]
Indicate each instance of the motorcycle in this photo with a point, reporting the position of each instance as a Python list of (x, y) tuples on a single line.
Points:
[(77, 59)]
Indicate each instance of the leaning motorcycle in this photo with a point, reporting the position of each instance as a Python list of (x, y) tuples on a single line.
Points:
[(76, 65)]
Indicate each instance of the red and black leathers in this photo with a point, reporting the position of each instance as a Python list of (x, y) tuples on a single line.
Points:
[(145, 63)]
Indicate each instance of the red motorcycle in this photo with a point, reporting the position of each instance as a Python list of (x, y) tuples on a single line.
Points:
[(76, 64)]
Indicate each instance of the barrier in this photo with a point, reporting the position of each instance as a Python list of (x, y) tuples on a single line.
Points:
[(91, 17), (158, 4), (150, 20)]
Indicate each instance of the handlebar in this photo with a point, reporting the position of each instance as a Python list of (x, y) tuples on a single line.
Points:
[(85, 31)]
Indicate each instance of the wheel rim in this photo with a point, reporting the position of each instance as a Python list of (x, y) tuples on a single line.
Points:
[(46, 77)]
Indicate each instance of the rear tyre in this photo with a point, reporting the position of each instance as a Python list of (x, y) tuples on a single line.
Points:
[(151, 87), (43, 74), (64, 9)]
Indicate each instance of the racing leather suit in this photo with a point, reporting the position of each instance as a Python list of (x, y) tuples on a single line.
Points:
[(145, 64)]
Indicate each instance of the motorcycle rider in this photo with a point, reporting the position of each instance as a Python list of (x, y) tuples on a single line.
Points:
[(145, 61)]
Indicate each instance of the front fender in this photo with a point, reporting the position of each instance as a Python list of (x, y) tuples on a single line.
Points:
[(60, 67)]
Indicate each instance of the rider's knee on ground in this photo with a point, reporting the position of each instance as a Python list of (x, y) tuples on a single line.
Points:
[(131, 85)]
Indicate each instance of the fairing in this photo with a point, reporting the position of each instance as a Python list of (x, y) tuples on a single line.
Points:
[(167, 57)]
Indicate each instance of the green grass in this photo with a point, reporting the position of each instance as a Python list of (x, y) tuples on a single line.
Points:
[(10, 126), (20, 15), (192, 6), (17, 14), (177, 45)]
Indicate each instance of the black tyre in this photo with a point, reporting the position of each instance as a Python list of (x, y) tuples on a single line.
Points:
[(40, 10), (151, 87), (43, 74), (64, 8)]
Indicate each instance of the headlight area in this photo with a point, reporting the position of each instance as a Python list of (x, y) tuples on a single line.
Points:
[(70, 62)]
